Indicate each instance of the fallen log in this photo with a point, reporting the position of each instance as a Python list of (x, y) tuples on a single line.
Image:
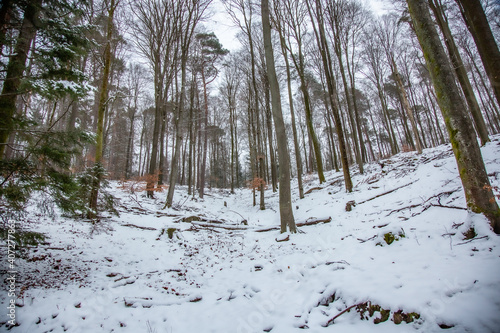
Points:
[(313, 222), (219, 225), (138, 226), (300, 224), (313, 189)]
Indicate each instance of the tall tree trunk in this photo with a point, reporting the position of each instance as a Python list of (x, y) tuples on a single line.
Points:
[(349, 101), (478, 193), (161, 163), (5, 15), (286, 212), (459, 68), (477, 23), (103, 97), (270, 136), (15, 70), (332, 91), (128, 157), (406, 104), (298, 158), (205, 136), (178, 136)]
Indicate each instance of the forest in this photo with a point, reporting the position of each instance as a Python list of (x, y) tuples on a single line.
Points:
[(144, 90), (105, 97)]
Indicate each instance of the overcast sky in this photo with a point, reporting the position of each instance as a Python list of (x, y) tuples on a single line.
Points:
[(224, 29)]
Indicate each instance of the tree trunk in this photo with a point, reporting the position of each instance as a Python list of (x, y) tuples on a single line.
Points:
[(286, 212), (15, 70), (406, 104), (103, 97), (349, 102), (5, 15), (478, 193), (332, 91), (298, 158), (477, 23), (270, 136), (161, 163), (202, 169), (130, 141), (178, 114), (459, 68)]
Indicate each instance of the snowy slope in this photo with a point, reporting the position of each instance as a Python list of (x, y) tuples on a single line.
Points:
[(213, 277)]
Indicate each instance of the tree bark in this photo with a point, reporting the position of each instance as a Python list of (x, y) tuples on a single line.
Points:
[(319, 31), (15, 70), (477, 188), (298, 158), (477, 23), (459, 68), (406, 104), (103, 99), (286, 212)]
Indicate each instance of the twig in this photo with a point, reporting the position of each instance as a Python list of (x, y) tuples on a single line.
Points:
[(329, 322), (473, 239), (229, 210), (451, 207), (135, 199), (385, 193), (366, 240), (337, 262), (400, 209)]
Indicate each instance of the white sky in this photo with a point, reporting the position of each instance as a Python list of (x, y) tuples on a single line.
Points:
[(223, 27)]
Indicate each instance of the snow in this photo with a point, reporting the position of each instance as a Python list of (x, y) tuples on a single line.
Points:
[(116, 277)]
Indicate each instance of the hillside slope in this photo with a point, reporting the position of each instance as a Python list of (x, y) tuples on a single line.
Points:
[(400, 255)]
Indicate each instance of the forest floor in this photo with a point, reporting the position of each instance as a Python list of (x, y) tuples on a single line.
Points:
[(402, 260)]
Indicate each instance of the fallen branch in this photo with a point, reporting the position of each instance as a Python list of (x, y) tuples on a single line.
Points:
[(451, 207), (244, 219), (313, 189), (385, 193), (160, 214), (313, 222), (366, 240), (300, 224), (329, 322), (268, 229), (197, 218), (343, 262), (473, 239), (226, 226), (138, 226), (404, 208)]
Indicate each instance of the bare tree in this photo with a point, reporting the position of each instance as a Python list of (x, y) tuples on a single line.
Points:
[(192, 13), (103, 101), (157, 30), (286, 212), (316, 14), (295, 28)]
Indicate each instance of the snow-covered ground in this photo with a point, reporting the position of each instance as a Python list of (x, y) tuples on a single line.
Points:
[(212, 277)]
